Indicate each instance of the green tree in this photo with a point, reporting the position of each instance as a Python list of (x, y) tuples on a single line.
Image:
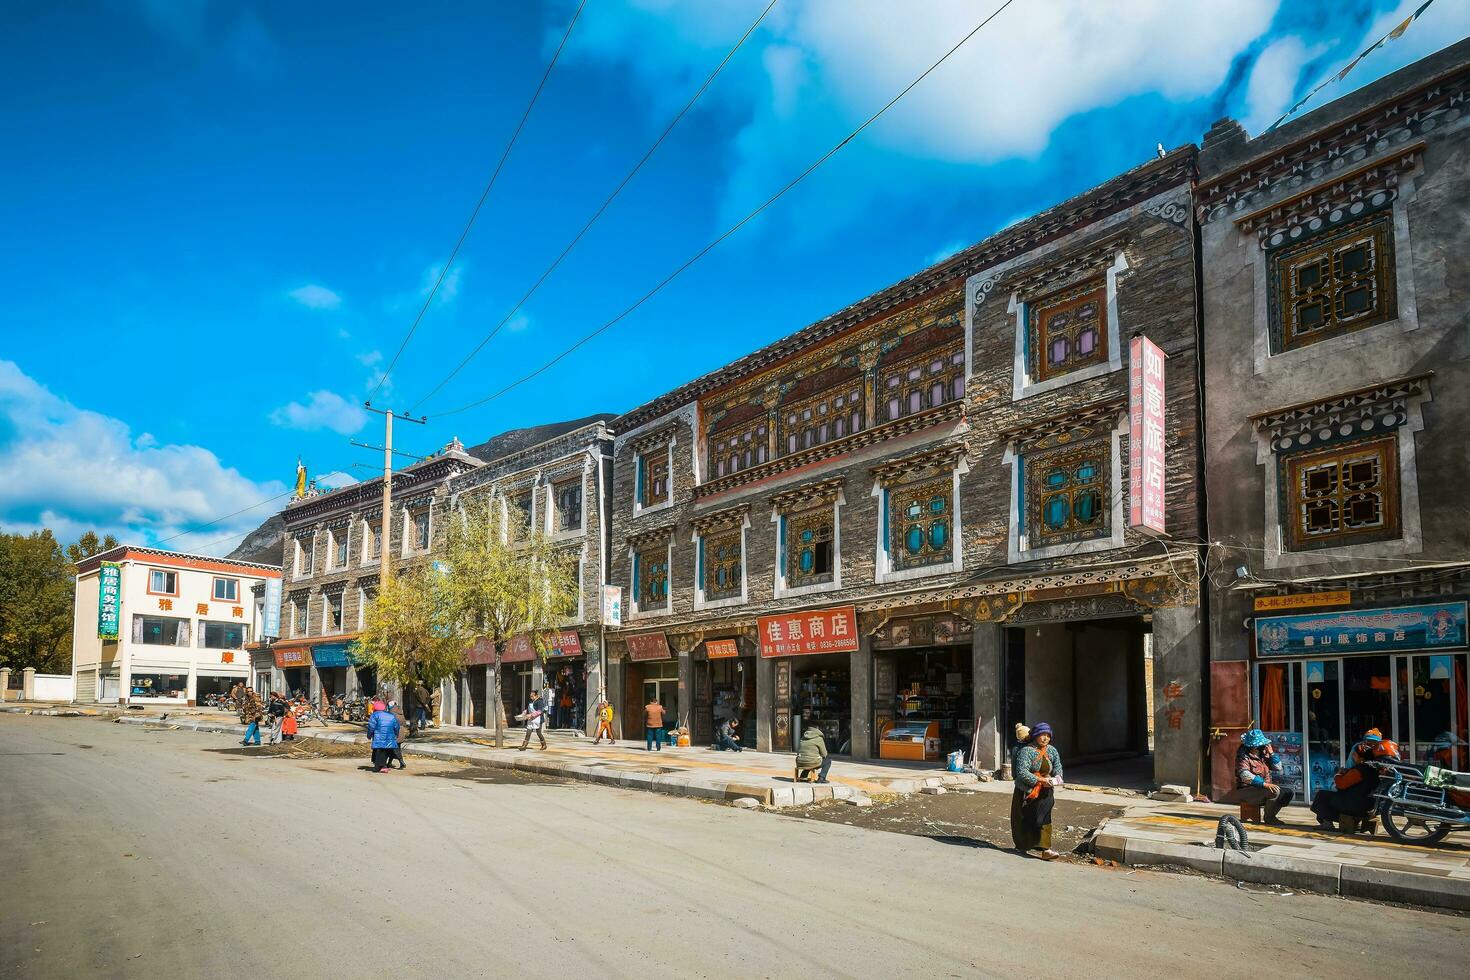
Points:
[(407, 633), (503, 579), (36, 596), (87, 546)]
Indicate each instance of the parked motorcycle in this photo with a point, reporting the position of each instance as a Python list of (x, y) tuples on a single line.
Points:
[(1421, 806)]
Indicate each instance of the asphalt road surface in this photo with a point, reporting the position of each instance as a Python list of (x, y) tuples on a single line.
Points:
[(160, 854)]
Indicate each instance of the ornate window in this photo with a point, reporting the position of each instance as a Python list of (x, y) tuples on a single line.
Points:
[(723, 565), (921, 525), (568, 497), (1333, 283), (653, 478), (1067, 330), (419, 530), (518, 514), (1067, 494), (1345, 494), (831, 415), (921, 382), (739, 449), (651, 576), (809, 547)]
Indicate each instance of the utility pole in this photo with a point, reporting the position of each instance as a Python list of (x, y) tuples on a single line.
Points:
[(385, 558)]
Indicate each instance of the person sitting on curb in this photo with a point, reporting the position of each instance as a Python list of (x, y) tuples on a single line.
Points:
[(812, 753), (1257, 769), (1352, 796), (725, 735)]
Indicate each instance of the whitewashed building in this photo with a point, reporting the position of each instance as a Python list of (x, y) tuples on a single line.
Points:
[(160, 627)]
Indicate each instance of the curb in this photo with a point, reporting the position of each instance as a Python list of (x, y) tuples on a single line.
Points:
[(718, 788), (1298, 873)]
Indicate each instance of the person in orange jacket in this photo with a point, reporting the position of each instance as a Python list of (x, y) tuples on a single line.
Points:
[(1353, 795)]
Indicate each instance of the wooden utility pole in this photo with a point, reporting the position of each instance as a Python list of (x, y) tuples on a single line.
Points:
[(385, 536)]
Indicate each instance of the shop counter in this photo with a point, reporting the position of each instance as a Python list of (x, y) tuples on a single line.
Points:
[(912, 741)]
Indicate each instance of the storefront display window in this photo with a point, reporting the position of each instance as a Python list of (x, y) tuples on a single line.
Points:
[(158, 686), (224, 636), (821, 695)]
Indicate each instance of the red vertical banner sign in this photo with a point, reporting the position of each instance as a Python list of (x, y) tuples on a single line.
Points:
[(1145, 434)]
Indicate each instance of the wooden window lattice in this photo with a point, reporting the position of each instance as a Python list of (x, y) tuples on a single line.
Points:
[(809, 547), (1067, 494), (1067, 330), (1334, 283), (921, 525), (1343, 495), (921, 382), (723, 565)]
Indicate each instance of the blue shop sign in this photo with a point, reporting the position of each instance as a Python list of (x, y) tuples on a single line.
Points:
[(331, 655), (1431, 626)]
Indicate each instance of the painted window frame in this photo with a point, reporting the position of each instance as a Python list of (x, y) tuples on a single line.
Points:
[(371, 556), (328, 627), (779, 518), (951, 358), (760, 442), (641, 476), (304, 555), (698, 539), (174, 593), (554, 492), (884, 570), (214, 590), (1018, 550), (1023, 385), (635, 609), (1375, 224)]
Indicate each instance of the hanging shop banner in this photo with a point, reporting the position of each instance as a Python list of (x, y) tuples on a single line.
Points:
[(1301, 600), (612, 606), (481, 652), (715, 649), (1145, 435), (648, 646), (1435, 625), (109, 596), (812, 631), (270, 626), (331, 655), (563, 643), (296, 657)]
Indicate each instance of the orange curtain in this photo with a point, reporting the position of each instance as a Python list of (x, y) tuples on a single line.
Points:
[(1273, 698)]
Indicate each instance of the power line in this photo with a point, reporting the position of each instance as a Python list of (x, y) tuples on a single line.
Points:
[(737, 226), (200, 527), (480, 203), (599, 212)]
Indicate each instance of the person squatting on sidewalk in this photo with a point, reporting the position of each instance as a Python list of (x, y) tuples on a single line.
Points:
[(382, 728), (534, 718), (725, 735)]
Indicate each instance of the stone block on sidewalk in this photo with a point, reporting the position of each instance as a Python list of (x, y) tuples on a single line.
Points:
[(933, 790), (783, 796), (746, 803), (1302, 874), (1394, 885), (802, 794), (858, 801), (1140, 852)]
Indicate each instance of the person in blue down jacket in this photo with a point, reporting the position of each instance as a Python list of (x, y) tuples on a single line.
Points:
[(382, 728)]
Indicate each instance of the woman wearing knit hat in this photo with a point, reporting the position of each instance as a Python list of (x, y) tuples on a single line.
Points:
[(1038, 772)]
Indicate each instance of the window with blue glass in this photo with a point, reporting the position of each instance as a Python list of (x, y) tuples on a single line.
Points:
[(809, 547), (651, 572), (723, 567), (921, 524), (1067, 493)]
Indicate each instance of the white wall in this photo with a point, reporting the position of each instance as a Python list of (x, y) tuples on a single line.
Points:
[(54, 687)]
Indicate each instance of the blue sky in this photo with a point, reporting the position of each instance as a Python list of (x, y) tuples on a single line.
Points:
[(221, 217)]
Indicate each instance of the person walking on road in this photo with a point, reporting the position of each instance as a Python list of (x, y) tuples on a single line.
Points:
[(653, 724), (1038, 772), (812, 753), (250, 713), (277, 712), (397, 749), (535, 719), (604, 721), (383, 727)]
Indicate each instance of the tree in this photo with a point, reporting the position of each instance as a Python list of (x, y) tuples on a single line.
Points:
[(36, 597), (504, 580), (407, 635)]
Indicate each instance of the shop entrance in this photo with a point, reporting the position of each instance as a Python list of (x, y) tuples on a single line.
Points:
[(1315, 711), (333, 681), (645, 681), (568, 676), (723, 688), (923, 702), (1088, 680), (217, 684), (476, 681), (516, 691), (297, 680), (821, 696)]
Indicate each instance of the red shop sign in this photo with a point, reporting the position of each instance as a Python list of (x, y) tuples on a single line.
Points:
[(563, 643), (482, 651), (286, 659), (648, 646), (716, 649), (813, 631)]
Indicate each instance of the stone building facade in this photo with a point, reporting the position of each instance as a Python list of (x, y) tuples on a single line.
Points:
[(1336, 280), (333, 552), (843, 529), (561, 485)]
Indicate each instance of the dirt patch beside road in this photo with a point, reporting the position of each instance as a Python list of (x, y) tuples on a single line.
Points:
[(976, 819)]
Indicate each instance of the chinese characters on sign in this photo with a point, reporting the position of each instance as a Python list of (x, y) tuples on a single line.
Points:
[(1302, 600), (813, 631), (1145, 434), (715, 649), (271, 613), (1394, 628), (1172, 692), (612, 606), (286, 659), (648, 646), (109, 582), (521, 648)]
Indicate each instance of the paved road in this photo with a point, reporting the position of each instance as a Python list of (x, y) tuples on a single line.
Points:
[(129, 852)]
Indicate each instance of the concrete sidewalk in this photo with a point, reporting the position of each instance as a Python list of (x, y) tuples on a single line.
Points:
[(700, 772), (1298, 855)]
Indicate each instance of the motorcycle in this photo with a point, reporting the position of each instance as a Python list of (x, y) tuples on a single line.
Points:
[(1421, 806)]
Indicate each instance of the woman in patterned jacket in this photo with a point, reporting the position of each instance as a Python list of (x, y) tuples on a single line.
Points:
[(1038, 772)]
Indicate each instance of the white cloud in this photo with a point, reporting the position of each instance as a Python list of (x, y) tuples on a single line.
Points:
[(323, 410), (315, 297), (335, 479), (822, 68), (519, 322), (448, 289), (945, 252), (75, 470), (1273, 81)]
